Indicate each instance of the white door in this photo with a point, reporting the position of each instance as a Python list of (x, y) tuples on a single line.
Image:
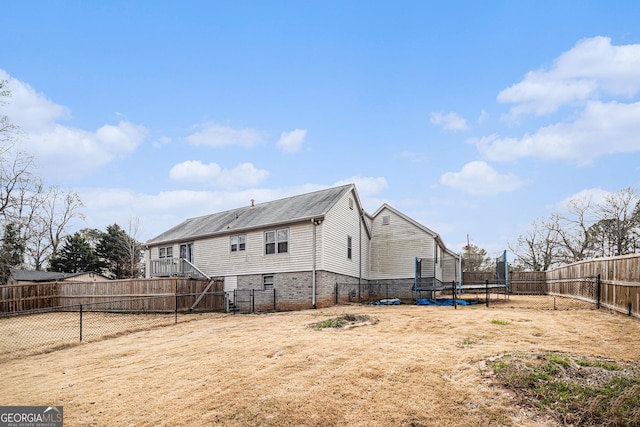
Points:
[(230, 285)]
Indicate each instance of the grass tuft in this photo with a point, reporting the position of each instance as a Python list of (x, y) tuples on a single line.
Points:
[(607, 394)]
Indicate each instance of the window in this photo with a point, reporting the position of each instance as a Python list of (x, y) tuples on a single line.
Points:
[(349, 247), (166, 252), (238, 243), (276, 242), (186, 251), (350, 203), (267, 283), (386, 220)]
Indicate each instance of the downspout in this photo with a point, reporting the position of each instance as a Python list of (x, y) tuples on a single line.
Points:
[(315, 222), (360, 249)]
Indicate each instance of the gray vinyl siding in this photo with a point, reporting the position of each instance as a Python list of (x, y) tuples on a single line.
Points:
[(395, 246), (342, 221)]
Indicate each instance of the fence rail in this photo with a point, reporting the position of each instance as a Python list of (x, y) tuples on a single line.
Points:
[(254, 300), (15, 298), (46, 329)]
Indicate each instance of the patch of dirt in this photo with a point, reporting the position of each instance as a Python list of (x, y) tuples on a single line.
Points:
[(345, 321)]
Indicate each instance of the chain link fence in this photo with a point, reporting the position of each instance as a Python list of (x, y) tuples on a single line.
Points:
[(48, 329), (574, 294), (371, 292), (247, 301)]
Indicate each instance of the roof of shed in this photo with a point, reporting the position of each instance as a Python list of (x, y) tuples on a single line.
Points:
[(41, 276), (288, 210)]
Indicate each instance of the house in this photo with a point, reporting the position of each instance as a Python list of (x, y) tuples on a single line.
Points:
[(401, 245), (29, 277), (299, 246)]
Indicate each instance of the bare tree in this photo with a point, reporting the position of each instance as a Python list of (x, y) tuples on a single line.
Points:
[(133, 247), (7, 129), (573, 231), (41, 215), (620, 219), (537, 249), (587, 230), (53, 213), (474, 258)]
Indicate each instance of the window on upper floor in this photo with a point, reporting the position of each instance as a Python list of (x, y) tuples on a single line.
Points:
[(349, 240), (238, 243), (276, 241), (386, 219)]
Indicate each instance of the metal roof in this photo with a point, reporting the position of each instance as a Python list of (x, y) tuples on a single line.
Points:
[(277, 212)]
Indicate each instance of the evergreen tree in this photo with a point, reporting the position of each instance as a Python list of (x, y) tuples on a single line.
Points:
[(11, 250), (75, 256), (112, 252)]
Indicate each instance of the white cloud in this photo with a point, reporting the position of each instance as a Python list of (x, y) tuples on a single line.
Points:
[(196, 172), (291, 142), (412, 157), (366, 186), (601, 129), (483, 116), (450, 121), (213, 135), (53, 144), (593, 195), (162, 141), (593, 67), (478, 178), (31, 110)]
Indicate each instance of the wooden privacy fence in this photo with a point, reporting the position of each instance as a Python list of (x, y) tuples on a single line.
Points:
[(613, 282), (619, 284), (520, 282), (183, 291)]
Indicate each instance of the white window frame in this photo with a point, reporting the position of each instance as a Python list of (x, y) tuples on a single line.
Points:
[(238, 243), (278, 240), (349, 247), (165, 252), (186, 251)]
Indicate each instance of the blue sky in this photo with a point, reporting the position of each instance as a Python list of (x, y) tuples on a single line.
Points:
[(470, 117)]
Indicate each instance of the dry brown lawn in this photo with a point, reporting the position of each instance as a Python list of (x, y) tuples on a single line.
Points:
[(418, 366)]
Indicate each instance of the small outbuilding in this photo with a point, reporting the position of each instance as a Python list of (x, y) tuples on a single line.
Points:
[(29, 277)]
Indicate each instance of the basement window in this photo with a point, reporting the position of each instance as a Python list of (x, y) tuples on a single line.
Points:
[(267, 283)]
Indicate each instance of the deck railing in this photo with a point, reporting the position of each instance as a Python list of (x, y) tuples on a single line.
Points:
[(170, 267)]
